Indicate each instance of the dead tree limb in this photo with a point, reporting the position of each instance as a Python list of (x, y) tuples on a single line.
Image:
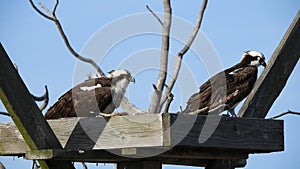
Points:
[(285, 113), (156, 97), (4, 113), (44, 97), (153, 13), (182, 52), (53, 18), (169, 101)]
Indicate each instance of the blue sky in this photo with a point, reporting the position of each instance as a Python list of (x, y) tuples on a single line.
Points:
[(230, 27)]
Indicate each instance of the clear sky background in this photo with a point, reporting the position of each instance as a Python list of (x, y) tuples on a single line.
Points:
[(232, 27)]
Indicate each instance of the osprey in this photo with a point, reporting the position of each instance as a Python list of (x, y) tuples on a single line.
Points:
[(226, 89), (92, 97)]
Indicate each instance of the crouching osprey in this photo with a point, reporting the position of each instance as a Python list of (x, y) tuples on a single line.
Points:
[(226, 89), (92, 97)]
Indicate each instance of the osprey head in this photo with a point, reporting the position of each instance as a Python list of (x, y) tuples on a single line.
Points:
[(121, 74), (253, 58)]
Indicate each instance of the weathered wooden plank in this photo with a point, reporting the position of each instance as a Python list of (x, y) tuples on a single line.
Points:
[(12, 142), (116, 155), (248, 135), (139, 165), (118, 132), (25, 113), (96, 133), (254, 135), (275, 76)]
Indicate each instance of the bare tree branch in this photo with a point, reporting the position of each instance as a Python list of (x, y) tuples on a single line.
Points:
[(285, 113), (169, 101), (39, 11), (84, 166), (52, 17), (163, 58), (158, 19), (44, 97), (4, 113), (45, 9), (62, 33), (182, 52)]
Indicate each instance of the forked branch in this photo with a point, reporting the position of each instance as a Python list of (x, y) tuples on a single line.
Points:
[(52, 16), (156, 97), (285, 113), (153, 13), (182, 52)]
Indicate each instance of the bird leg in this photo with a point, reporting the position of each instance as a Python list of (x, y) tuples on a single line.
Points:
[(232, 112)]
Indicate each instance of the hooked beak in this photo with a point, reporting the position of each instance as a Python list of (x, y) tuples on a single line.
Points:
[(132, 79), (263, 63)]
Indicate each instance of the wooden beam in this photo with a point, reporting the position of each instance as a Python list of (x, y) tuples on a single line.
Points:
[(232, 134), (25, 113), (141, 164), (226, 164), (274, 77), (253, 135), (105, 156)]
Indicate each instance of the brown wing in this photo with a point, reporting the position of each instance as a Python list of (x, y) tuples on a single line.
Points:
[(237, 84), (77, 102), (228, 87), (240, 84), (91, 103), (62, 108)]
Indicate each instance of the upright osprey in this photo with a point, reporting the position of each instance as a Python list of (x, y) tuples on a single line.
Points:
[(226, 89), (92, 97)]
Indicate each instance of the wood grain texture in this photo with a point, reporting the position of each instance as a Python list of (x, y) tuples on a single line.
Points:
[(274, 77), (25, 113), (141, 131), (254, 135)]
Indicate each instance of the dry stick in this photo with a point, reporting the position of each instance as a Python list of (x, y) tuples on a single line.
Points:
[(285, 113), (158, 19), (62, 33), (182, 52), (169, 101), (44, 98), (88, 60), (4, 113), (156, 98)]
